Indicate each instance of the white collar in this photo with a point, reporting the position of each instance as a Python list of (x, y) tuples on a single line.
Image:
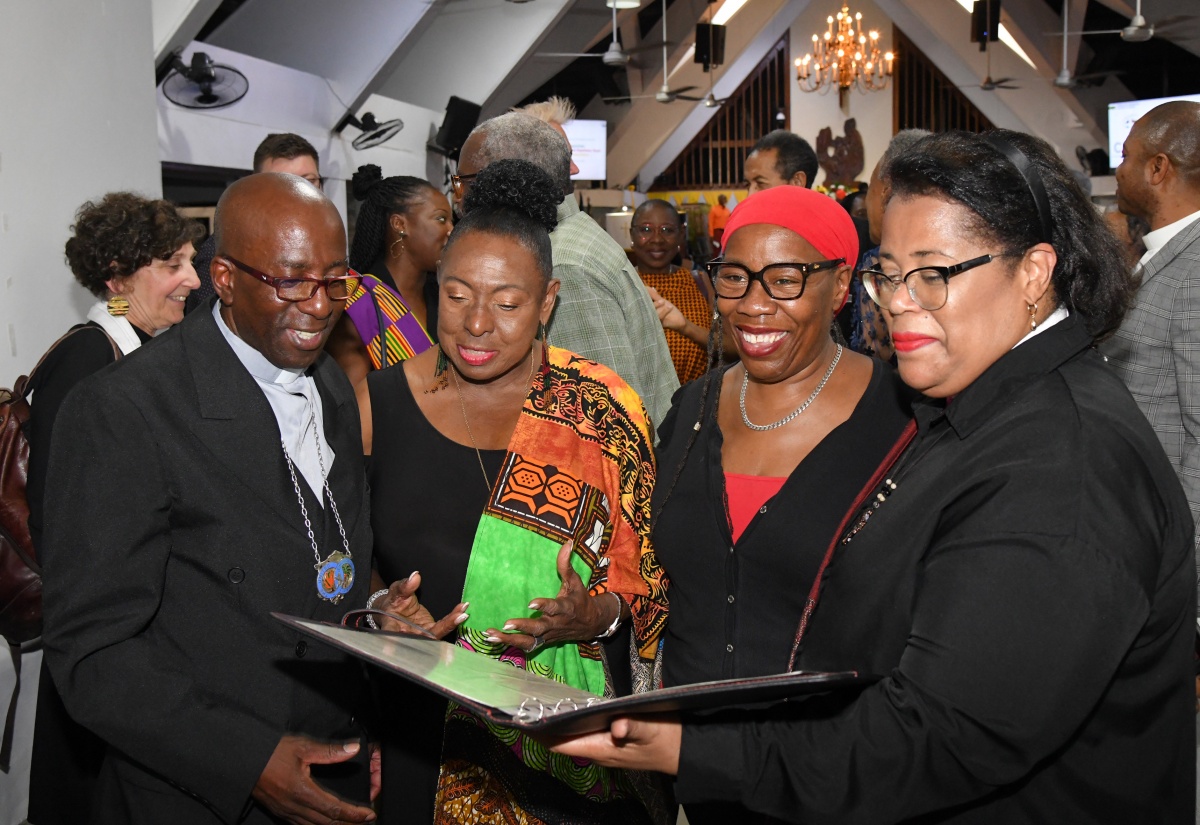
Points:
[(1060, 314), (1162, 236)]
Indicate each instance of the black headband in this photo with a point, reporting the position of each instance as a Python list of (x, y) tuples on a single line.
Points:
[(1032, 180)]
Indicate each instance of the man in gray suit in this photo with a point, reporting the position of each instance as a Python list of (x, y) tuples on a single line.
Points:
[(1157, 350)]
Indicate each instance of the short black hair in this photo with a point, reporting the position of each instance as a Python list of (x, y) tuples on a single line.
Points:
[(1089, 278), (284, 145), (122, 232), (792, 154), (514, 199)]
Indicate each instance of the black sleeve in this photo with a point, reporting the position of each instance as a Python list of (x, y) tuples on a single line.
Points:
[(86, 352)]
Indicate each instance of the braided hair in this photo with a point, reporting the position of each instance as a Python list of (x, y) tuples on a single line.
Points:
[(381, 198)]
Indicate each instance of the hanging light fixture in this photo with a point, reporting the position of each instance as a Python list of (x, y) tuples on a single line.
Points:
[(844, 58)]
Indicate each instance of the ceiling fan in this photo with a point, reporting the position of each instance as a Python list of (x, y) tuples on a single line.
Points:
[(1065, 79), (988, 84), (1138, 30), (666, 94), (615, 55)]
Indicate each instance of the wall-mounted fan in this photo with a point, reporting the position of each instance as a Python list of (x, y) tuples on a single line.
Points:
[(373, 132), (203, 84)]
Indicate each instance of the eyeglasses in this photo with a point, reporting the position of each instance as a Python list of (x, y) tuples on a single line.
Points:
[(783, 281), (316, 181), (645, 230), (457, 182), (929, 289), (337, 287)]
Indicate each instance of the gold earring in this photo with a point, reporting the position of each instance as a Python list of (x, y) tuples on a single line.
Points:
[(1032, 316), (399, 240), (117, 306)]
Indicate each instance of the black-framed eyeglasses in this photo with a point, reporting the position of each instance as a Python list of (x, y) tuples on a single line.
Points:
[(457, 181), (317, 181), (928, 286), (782, 281), (644, 230), (337, 287)]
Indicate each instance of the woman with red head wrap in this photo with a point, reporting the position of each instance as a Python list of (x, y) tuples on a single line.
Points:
[(759, 461)]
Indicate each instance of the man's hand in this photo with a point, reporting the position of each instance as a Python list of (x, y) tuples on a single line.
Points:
[(669, 315), (287, 789)]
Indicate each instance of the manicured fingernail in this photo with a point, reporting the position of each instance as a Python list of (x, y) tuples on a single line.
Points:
[(462, 617), (466, 605), (350, 747), (533, 606), (509, 627), (493, 639), (410, 575)]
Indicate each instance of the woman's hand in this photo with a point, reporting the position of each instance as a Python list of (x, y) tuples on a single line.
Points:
[(643, 743), (572, 616), (401, 599), (669, 315)]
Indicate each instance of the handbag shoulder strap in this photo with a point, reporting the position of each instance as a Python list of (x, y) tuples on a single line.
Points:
[(21, 387)]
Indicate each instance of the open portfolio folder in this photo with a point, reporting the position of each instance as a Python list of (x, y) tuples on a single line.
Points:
[(512, 697)]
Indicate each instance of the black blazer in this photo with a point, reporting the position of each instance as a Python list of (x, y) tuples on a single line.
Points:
[(172, 530)]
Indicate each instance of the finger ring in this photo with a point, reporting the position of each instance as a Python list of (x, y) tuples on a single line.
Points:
[(538, 642)]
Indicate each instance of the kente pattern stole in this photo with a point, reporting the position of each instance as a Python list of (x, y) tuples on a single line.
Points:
[(403, 336)]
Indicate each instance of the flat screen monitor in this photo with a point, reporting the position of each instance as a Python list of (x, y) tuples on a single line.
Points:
[(589, 148), (1121, 117)]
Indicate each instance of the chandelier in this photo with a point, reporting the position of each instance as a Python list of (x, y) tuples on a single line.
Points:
[(843, 58)]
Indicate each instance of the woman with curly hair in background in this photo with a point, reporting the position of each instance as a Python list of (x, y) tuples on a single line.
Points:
[(135, 255), (401, 230), (470, 426)]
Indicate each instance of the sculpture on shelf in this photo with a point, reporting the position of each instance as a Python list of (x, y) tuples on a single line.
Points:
[(844, 163)]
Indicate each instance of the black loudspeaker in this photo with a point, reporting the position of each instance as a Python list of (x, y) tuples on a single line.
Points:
[(461, 118), (710, 45), (985, 22)]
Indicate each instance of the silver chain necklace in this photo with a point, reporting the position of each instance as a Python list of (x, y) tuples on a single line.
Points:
[(335, 574), (764, 427)]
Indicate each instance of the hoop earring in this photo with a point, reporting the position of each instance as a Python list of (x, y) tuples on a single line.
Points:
[(1032, 316), (399, 240), (117, 306)]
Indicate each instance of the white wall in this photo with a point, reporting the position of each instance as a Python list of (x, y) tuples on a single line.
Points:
[(286, 100), (812, 111), (78, 122)]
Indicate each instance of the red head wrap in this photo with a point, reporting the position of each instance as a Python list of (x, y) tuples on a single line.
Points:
[(818, 219)]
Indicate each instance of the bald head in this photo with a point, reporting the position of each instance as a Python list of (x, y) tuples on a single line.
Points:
[(1173, 129), (256, 203), (276, 231)]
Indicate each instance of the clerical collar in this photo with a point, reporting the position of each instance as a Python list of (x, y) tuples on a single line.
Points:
[(254, 361)]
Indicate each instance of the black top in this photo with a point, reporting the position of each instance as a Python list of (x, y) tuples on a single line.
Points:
[(735, 606), (202, 295), (80, 355), (427, 494), (1028, 592)]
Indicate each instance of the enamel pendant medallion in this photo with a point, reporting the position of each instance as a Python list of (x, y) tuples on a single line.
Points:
[(335, 576)]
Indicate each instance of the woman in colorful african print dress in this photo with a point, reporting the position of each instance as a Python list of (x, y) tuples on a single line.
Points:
[(401, 229), (497, 452)]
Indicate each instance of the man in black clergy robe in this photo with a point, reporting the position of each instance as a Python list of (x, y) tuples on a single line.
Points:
[(181, 489)]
